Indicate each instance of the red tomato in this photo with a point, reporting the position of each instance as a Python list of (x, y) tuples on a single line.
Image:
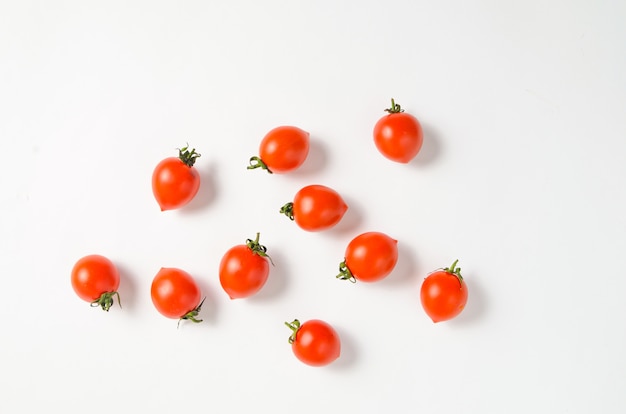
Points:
[(176, 295), (175, 181), (282, 150), (444, 293), (314, 342), (398, 135), (369, 257), (244, 269), (315, 208), (95, 279)]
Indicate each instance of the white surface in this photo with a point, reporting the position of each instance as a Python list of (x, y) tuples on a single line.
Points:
[(521, 178)]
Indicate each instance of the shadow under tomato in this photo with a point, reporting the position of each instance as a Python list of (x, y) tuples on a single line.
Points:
[(206, 193), (477, 303), (350, 221), (277, 281), (315, 161), (349, 353), (128, 288), (406, 269), (431, 147), (208, 313)]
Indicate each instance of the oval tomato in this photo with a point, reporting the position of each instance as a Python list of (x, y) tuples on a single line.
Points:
[(175, 181), (282, 150), (176, 295), (398, 135), (244, 269), (444, 293), (315, 208), (369, 257), (95, 279), (314, 342)]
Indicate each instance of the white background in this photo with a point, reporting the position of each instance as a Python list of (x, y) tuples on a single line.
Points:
[(521, 177)]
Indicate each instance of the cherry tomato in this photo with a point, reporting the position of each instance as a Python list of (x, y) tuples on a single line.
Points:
[(315, 208), (176, 295), (175, 181), (282, 150), (369, 257), (398, 135), (314, 342), (444, 293), (244, 269), (95, 279)]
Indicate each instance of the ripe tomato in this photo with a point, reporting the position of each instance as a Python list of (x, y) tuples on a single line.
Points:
[(369, 257), (176, 295), (444, 293), (315, 208), (175, 181), (244, 269), (282, 150), (398, 135), (314, 342), (95, 279)]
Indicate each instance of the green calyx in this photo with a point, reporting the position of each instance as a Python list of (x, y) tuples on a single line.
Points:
[(258, 248), (256, 162), (395, 108), (105, 301), (456, 271), (345, 273), (287, 210), (191, 315), (294, 326), (188, 157)]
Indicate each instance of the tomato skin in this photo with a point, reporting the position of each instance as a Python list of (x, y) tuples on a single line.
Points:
[(175, 181), (95, 279), (315, 342), (284, 149), (398, 135), (316, 208), (174, 293), (371, 256), (244, 269), (443, 294)]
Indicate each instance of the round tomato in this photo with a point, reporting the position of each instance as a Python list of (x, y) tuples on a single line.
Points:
[(369, 257), (282, 150), (398, 135), (314, 342), (315, 208), (95, 279), (244, 269), (444, 293), (175, 181), (176, 295)]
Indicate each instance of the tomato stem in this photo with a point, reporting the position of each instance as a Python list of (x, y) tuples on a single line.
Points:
[(287, 210), (294, 326), (258, 248), (105, 301), (256, 162), (395, 108), (191, 315), (345, 273), (456, 271), (188, 157)]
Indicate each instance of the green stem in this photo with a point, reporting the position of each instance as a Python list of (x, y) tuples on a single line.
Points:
[(258, 248), (294, 326), (345, 273), (256, 162), (188, 157), (191, 315), (456, 271), (287, 210), (395, 108), (105, 301)]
